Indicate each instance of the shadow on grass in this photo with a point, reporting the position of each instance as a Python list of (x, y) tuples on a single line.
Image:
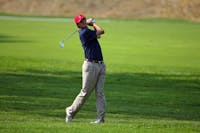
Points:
[(12, 39), (136, 94)]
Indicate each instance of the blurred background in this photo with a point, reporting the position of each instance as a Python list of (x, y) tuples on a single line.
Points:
[(181, 9)]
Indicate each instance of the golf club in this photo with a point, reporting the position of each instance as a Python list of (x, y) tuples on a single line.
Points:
[(66, 38)]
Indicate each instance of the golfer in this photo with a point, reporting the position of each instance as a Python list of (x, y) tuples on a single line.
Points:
[(93, 69)]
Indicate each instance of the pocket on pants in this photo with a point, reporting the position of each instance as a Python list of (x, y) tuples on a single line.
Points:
[(103, 71), (87, 67)]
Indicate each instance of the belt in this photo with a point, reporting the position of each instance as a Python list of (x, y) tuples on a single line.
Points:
[(94, 61)]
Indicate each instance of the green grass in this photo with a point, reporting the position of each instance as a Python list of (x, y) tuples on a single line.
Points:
[(152, 82)]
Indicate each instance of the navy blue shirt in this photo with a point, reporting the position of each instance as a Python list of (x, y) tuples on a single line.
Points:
[(90, 44)]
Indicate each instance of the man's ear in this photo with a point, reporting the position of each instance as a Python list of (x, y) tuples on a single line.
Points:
[(78, 25)]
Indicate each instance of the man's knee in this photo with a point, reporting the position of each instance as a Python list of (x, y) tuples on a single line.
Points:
[(84, 92)]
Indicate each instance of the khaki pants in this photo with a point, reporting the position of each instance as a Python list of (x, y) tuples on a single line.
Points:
[(93, 75)]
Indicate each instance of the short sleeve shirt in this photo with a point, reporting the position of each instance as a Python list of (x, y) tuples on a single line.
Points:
[(90, 44)]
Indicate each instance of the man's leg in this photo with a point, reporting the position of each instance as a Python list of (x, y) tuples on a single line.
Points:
[(100, 97), (88, 83)]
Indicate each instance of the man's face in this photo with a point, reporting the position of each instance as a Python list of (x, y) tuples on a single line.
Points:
[(82, 24)]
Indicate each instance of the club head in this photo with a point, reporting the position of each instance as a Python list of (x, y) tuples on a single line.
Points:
[(62, 44)]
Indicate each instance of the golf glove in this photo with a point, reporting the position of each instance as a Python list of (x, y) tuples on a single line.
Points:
[(90, 21)]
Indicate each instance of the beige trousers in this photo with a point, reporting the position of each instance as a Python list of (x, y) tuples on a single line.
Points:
[(93, 76)]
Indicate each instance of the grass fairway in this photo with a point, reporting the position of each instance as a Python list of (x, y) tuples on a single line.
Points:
[(152, 83)]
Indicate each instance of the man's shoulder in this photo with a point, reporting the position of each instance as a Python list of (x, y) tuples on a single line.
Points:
[(86, 32), (82, 31)]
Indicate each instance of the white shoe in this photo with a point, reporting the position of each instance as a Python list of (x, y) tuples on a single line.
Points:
[(68, 116), (98, 121)]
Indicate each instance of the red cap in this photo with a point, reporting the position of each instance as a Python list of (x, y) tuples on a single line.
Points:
[(78, 18)]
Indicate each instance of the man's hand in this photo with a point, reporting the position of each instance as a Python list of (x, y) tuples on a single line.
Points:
[(90, 21)]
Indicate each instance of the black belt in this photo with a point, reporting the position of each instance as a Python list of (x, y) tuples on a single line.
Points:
[(94, 61)]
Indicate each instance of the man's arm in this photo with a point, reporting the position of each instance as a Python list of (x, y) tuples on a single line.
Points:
[(99, 30)]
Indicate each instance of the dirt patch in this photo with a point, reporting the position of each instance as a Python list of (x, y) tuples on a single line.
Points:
[(183, 9)]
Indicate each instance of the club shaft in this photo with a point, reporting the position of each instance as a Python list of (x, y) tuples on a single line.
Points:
[(68, 36)]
